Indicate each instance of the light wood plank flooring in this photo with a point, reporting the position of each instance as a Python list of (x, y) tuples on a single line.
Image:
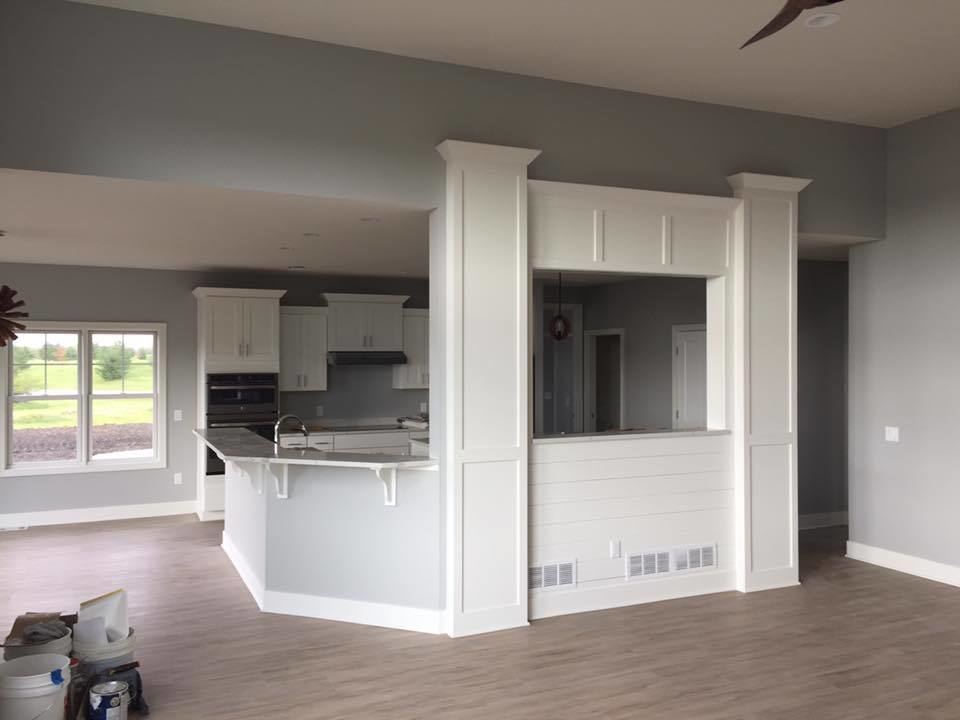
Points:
[(854, 641)]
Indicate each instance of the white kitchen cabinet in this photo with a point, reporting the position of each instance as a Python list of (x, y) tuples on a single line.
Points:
[(239, 329), (359, 323), (303, 349), (415, 375), (316, 442)]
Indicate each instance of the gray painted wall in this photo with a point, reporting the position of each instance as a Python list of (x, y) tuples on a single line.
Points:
[(646, 308), (55, 292), (904, 344), (114, 93), (822, 386)]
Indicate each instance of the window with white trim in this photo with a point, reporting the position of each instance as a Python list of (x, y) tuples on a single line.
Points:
[(84, 397)]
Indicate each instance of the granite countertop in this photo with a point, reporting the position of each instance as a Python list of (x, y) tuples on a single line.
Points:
[(242, 445)]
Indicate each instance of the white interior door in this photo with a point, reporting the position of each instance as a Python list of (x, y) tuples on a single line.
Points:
[(689, 377)]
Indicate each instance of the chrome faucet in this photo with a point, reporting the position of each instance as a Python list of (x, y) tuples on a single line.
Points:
[(280, 421)]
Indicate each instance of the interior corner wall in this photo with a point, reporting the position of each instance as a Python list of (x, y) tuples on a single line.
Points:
[(904, 344), (822, 311), (100, 91)]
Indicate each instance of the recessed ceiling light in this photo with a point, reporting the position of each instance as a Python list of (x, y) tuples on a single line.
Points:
[(821, 20), (284, 247), (296, 267), (3, 233), (311, 234), (370, 219)]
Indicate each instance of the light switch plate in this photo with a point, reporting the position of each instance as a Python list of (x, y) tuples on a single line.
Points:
[(178, 478), (178, 415), (891, 434), (614, 549), (424, 407), (319, 410)]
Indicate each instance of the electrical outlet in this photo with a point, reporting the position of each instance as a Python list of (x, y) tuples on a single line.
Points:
[(178, 478), (614, 549), (424, 407), (891, 434), (178, 415), (319, 411)]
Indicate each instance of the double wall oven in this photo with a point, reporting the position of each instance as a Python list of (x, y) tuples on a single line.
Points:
[(240, 400)]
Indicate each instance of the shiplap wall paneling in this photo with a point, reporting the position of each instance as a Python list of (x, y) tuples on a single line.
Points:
[(768, 418), (486, 280), (640, 493)]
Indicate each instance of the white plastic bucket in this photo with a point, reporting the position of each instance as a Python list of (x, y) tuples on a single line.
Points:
[(60, 646), (34, 687), (97, 658)]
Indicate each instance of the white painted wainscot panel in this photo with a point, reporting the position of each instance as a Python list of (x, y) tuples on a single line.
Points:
[(590, 496)]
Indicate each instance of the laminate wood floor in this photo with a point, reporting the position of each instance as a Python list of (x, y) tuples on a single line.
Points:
[(854, 641)]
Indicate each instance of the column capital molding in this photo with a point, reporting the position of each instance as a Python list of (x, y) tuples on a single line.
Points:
[(743, 182), (460, 151)]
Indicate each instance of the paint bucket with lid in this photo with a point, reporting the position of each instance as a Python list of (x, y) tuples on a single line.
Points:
[(109, 701), (34, 687), (96, 659)]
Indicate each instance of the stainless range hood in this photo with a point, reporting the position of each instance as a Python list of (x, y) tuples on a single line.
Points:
[(366, 357)]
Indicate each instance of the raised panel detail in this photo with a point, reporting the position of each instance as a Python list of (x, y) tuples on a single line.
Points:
[(699, 240), (491, 314), (490, 504), (771, 497), (771, 308), (561, 232), (632, 238)]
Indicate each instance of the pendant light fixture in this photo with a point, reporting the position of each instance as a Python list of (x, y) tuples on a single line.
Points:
[(559, 326)]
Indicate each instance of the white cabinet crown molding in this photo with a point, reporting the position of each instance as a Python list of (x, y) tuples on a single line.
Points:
[(303, 310), (206, 292), (361, 298), (776, 183), (460, 151)]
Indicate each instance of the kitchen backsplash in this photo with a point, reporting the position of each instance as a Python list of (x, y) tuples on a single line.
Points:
[(356, 392)]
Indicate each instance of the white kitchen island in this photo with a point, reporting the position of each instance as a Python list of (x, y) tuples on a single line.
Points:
[(354, 537)]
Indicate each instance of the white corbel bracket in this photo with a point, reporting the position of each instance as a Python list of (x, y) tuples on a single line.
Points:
[(388, 476), (281, 479), (251, 472)]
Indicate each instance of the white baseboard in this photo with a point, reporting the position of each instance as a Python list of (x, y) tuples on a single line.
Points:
[(397, 617), (622, 593), (774, 579), (97, 514), (823, 520), (910, 564), (211, 515), (250, 579)]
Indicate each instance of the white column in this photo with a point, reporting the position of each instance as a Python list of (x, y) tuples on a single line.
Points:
[(765, 455), (485, 340)]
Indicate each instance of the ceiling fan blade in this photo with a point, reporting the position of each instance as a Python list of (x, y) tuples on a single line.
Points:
[(790, 12)]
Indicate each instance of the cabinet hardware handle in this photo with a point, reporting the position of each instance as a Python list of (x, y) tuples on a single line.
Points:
[(248, 348), (240, 349)]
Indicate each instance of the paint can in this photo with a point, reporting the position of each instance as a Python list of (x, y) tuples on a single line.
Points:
[(109, 700)]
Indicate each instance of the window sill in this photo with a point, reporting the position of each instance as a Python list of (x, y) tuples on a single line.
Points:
[(102, 467)]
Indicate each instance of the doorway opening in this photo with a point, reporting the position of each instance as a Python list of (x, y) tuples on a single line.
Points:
[(605, 386), (689, 377)]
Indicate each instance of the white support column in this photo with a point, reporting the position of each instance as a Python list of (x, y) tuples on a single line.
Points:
[(766, 367), (486, 360)]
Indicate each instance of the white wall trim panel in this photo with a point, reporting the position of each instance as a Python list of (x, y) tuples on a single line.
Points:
[(910, 564), (765, 458), (96, 514), (486, 350)]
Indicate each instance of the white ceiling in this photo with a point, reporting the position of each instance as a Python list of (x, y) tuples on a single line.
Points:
[(886, 62), (83, 220)]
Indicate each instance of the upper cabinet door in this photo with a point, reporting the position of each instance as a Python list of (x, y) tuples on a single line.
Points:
[(225, 342), (291, 352), (313, 333), (415, 375), (262, 320), (348, 326), (385, 326)]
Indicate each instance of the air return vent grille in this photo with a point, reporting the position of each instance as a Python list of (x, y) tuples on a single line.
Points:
[(552, 575), (674, 560)]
